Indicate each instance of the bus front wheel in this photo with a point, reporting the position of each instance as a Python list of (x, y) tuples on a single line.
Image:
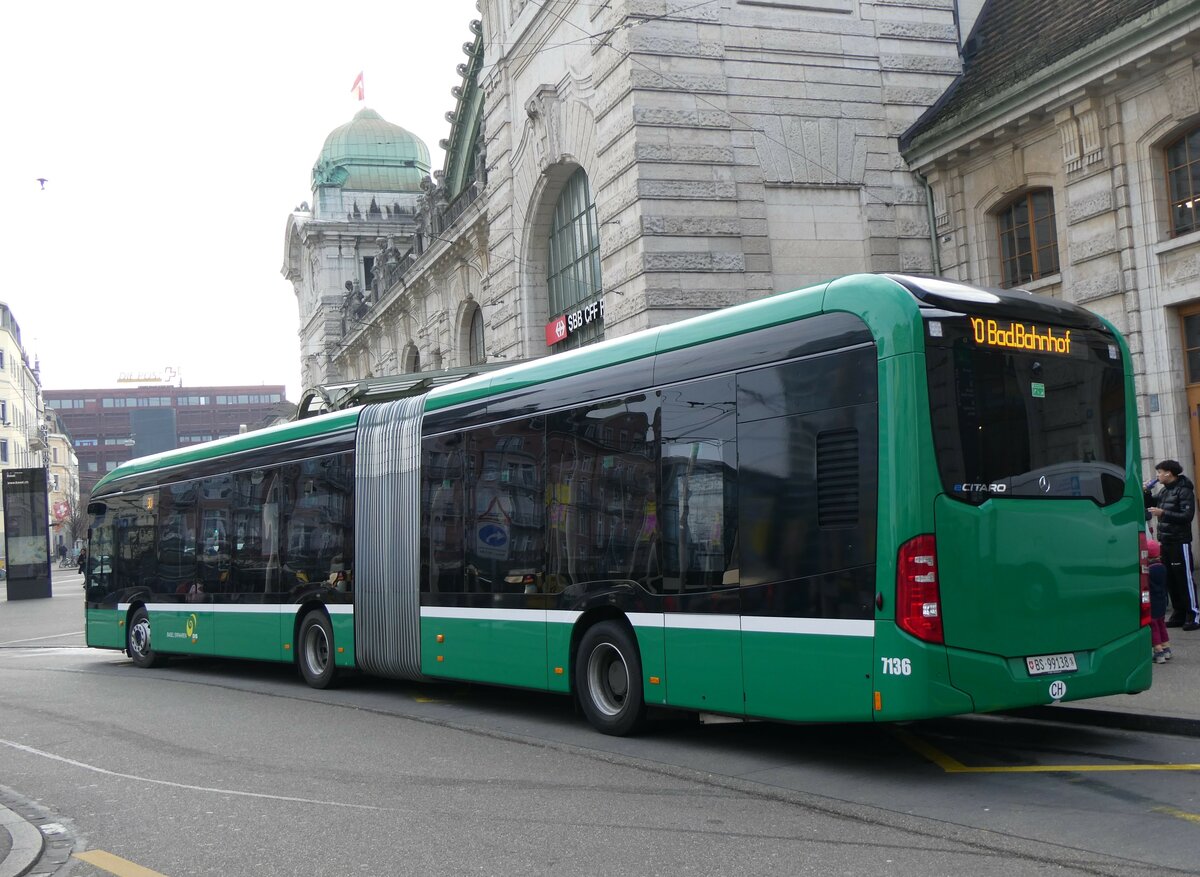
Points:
[(315, 653), (137, 641), (608, 679)]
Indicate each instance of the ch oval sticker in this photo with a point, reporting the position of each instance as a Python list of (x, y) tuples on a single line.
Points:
[(1058, 689)]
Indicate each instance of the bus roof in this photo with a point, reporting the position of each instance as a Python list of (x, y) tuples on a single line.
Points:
[(888, 303), (312, 427)]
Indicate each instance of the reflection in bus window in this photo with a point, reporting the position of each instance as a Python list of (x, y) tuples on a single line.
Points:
[(602, 478), (177, 510), (442, 514), (255, 537), (699, 464), (318, 512), (504, 548)]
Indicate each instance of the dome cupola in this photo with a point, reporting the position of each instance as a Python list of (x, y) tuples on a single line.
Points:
[(370, 154)]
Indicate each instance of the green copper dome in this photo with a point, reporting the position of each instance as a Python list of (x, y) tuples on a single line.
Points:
[(371, 154)]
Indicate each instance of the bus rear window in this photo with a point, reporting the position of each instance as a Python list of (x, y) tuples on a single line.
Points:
[(1020, 410)]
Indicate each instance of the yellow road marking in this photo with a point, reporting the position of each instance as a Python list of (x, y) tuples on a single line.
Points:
[(950, 765), (115, 864), (1178, 814), (941, 759)]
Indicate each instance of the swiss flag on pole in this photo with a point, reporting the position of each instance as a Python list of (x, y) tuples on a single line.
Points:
[(358, 85)]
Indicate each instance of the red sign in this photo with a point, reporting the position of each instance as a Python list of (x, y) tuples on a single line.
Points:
[(560, 327), (556, 331)]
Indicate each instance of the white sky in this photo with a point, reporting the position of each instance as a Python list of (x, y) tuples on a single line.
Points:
[(175, 140)]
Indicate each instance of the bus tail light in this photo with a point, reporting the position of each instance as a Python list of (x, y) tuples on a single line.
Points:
[(918, 596), (1144, 579)]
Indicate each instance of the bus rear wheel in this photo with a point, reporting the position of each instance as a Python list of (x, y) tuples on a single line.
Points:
[(608, 679), (137, 641), (315, 652)]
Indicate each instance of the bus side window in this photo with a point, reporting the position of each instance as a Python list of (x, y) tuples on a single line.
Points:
[(602, 485), (807, 439), (255, 536), (319, 517), (442, 514), (134, 561), (505, 482), (699, 486), (178, 504)]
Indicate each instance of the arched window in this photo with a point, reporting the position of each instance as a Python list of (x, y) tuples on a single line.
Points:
[(412, 360), (475, 350), (574, 275), (1182, 159), (1028, 238)]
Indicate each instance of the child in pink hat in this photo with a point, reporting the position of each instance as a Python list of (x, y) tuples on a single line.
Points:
[(1158, 603)]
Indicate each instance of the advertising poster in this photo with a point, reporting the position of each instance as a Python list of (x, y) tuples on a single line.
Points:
[(26, 533)]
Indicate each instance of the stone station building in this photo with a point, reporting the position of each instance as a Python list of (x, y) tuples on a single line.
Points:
[(617, 166)]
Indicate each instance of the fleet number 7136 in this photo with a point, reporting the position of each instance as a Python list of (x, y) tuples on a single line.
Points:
[(897, 666)]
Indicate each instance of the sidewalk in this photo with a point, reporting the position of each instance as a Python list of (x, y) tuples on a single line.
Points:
[(1171, 706), (23, 847)]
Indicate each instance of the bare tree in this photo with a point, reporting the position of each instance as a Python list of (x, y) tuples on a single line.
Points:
[(76, 522)]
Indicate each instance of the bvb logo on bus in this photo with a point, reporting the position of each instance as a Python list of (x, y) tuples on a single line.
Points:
[(190, 628)]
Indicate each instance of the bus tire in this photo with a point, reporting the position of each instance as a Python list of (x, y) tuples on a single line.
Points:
[(315, 652), (608, 679), (137, 641)]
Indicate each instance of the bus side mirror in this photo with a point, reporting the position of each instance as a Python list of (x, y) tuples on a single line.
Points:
[(97, 508)]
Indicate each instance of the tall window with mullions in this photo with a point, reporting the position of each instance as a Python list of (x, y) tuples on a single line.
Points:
[(1028, 238), (1183, 182), (574, 274)]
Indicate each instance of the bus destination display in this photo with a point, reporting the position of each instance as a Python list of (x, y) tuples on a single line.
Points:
[(1029, 337)]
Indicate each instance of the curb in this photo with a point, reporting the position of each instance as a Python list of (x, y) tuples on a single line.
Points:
[(1176, 725), (27, 844)]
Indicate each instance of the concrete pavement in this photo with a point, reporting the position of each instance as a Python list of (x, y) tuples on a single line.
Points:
[(21, 843), (1170, 706), (24, 849)]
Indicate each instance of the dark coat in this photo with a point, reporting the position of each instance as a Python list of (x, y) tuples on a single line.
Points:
[(1178, 504), (1158, 589)]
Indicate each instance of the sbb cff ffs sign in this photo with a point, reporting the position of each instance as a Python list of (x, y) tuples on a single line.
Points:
[(556, 330), (561, 328)]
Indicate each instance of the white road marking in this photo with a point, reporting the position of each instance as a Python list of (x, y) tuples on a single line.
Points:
[(128, 776), (33, 639)]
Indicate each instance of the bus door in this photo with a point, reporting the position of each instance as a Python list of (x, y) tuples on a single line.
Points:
[(242, 550), (182, 618), (808, 452), (698, 523)]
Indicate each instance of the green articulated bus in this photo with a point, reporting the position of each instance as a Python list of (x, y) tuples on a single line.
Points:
[(878, 498)]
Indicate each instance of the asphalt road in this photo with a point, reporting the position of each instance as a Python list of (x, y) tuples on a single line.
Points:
[(211, 767)]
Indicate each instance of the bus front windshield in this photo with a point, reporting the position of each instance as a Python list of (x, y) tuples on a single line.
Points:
[(1025, 410)]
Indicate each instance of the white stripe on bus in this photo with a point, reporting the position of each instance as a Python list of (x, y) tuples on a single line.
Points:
[(240, 608), (680, 621), (483, 614), (645, 619), (672, 620), (815, 626)]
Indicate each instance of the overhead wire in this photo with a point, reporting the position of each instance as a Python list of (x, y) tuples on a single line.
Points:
[(629, 23), (628, 54)]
